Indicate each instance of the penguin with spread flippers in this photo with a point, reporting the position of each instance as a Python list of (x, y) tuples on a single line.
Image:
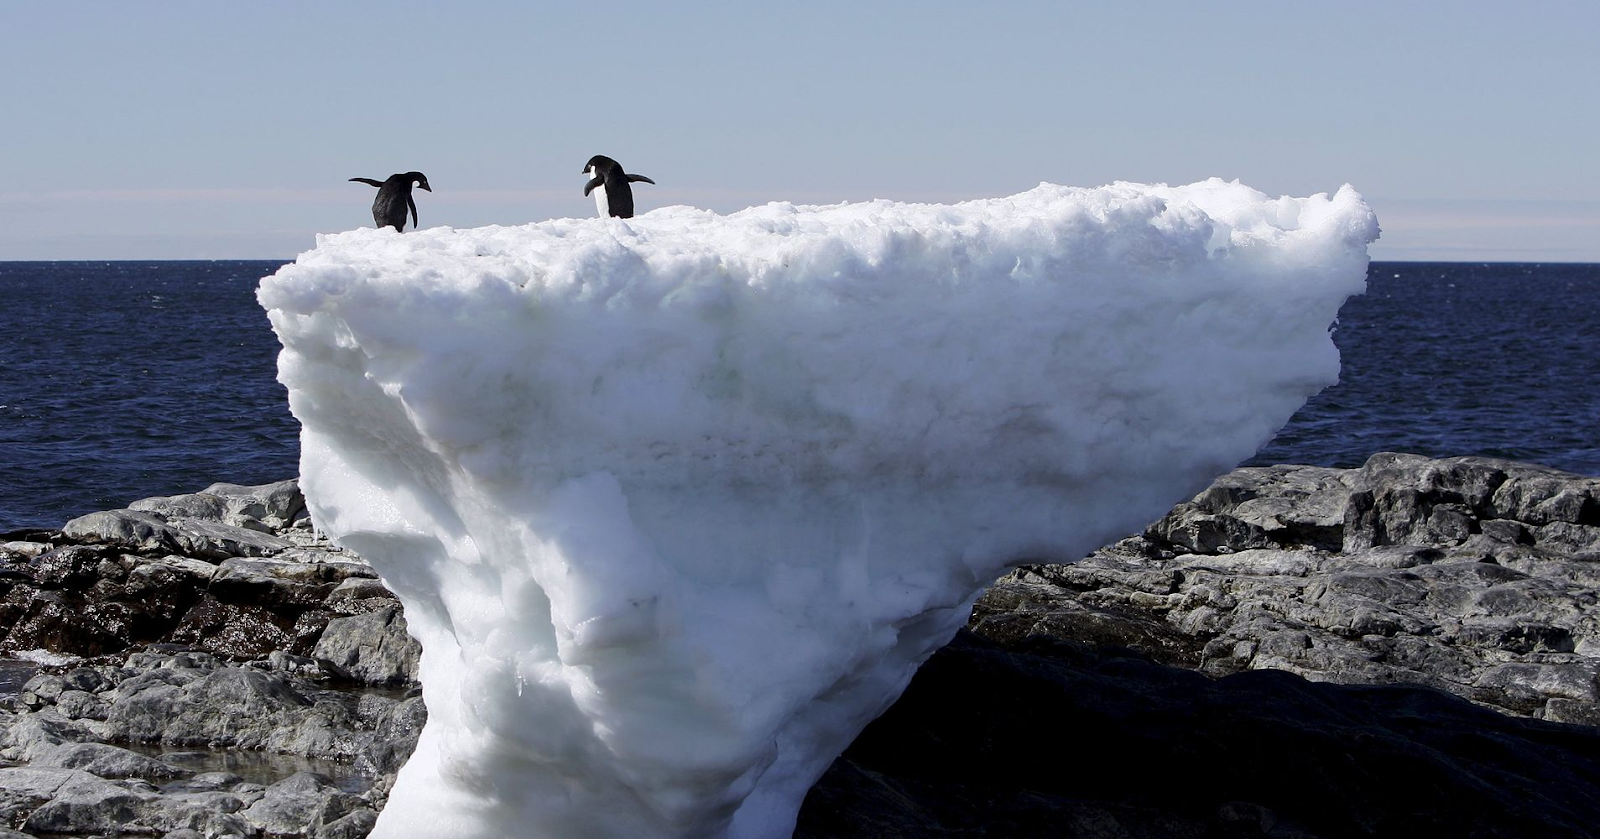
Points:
[(394, 198), (612, 195)]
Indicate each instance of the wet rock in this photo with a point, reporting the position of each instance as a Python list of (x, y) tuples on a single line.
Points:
[(274, 583), (74, 567), (232, 629), (65, 623)]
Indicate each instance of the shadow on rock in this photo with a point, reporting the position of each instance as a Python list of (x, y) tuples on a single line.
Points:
[(1055, 739)]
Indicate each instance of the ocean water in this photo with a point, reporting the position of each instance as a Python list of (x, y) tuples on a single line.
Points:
[(123, 380)]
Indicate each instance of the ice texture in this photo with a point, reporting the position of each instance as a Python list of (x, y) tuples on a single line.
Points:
[(677, 504)]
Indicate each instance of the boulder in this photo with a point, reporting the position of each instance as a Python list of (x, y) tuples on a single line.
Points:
[(197, 505), (372, 648), (272, 506), (218, 541), (233, 629), (67, 623), (132, 530), (73, 567), (300, 804), (106, 761), (83, 803), (1470, 575)]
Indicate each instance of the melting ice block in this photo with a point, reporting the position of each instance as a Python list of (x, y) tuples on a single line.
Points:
[(677, 504)]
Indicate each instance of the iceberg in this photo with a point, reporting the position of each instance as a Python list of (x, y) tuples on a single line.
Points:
[(677, 504)]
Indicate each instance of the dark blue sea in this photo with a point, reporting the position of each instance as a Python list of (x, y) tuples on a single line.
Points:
[(123, 380)]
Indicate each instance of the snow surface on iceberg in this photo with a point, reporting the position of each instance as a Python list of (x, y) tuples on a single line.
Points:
[(677, 504)]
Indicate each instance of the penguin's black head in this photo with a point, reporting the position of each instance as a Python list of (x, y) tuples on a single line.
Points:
[(420, 180), (599, 164)]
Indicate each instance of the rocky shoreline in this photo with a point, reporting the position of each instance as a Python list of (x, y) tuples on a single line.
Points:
[(1297, 651)]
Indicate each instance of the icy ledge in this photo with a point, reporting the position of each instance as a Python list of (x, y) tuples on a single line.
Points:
[(676, 505)]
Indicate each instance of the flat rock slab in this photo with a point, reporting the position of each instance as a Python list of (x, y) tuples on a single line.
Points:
[(153, 532)]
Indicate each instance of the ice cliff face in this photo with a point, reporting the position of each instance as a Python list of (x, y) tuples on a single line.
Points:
[(677, 504)]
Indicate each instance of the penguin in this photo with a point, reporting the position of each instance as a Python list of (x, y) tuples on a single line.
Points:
[(394, 196), (612, 195)]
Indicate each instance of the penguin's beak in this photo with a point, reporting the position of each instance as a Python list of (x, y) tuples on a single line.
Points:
[(426, 187)]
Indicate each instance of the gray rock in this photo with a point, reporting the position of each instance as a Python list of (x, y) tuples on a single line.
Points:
[(272, 506), (373, 648), (83, 803), (225, 707), (26, 549), (360, 594), (269, 583), (128, 529), (42, 689), (352, 825), (215, 540), (31, 735), (1471, 575), (396, 731), (106, 761), (23, 789), (268, 508), (81, 705), (192, 506), (300, 804)]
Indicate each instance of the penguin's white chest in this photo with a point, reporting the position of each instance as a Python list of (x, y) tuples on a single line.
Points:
[(601, 205)]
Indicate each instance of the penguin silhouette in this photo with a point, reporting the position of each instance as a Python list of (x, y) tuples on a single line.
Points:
[(612, 195), (394, 197)]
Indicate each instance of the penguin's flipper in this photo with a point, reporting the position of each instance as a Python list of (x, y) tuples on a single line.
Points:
[(594, 182), (368, 181), (637, 178), (412, 203)]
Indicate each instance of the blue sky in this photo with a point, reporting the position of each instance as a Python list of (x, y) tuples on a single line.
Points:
[(180, 130)]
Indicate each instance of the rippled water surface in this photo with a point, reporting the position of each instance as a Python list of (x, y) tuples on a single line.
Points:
[(122, 380), (1450, 359)]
